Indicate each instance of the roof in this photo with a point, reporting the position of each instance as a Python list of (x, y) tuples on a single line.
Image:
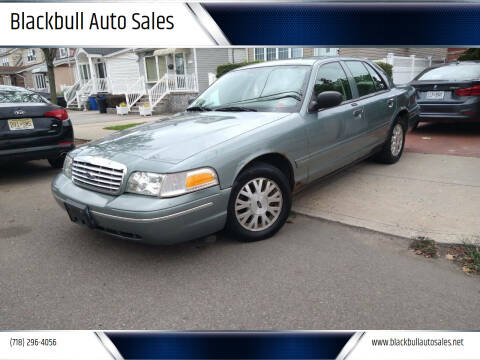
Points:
[(101, 51), (7, 70)]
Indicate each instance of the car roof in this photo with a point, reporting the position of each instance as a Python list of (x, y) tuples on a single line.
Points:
[(300, 61), (12, 88)]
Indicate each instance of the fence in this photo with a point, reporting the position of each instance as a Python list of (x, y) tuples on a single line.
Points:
[(405, 68)]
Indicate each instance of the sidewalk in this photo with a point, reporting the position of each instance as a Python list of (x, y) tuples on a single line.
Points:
[(89, 125), (422, 195)]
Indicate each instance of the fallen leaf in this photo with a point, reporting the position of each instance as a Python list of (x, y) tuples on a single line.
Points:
[(449, 257)]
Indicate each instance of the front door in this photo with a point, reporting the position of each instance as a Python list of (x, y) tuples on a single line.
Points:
[(378, 108), (326, 128), (180, 70), (101, 70)]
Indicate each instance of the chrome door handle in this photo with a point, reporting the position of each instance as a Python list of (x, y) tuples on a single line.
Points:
[(390, 102), (358, 112)]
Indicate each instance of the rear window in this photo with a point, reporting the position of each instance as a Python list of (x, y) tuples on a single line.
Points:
[(452, 73), (12, 96)]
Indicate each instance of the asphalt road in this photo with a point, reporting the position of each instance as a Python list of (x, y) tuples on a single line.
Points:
[(312, 275)]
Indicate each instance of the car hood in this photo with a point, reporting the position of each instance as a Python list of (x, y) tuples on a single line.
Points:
[(176, 138)]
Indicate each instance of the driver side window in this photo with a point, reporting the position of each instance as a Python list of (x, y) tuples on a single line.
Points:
[(332, 77)]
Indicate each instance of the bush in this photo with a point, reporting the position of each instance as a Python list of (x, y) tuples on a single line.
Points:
[(114, 100), (470, 54), (386, 67), (225, 68)]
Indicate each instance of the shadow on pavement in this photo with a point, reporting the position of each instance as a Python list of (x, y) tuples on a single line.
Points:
[(20, 172)]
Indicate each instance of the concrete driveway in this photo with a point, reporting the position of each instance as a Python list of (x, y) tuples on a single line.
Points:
[(312, 275)]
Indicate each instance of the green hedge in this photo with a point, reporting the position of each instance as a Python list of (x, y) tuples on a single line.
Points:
[(470, 54), (223, 69), (386, 67)]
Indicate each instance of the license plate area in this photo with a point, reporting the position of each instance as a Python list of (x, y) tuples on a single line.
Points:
[(20, 124), (435, 95), (79, 213)]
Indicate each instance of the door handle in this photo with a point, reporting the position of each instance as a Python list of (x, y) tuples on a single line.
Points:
[(358, 112), (390, 102)]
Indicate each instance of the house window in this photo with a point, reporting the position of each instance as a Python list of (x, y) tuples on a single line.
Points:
[(5, 61), (31, 56), (259, 53), (85, 72), (297, 52), (325, 51), (151, 69), (282, 53), (63, 52), (40, 81), (271, 54), (277, 53)]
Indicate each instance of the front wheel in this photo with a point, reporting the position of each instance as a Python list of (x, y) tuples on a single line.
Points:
[(259, 204), (393, 148)]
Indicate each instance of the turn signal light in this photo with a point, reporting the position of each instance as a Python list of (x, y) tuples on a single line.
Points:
[(60, 114), (470, 91), (198, 179)]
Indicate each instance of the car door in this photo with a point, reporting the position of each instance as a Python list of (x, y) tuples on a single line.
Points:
[(326, 128), (377, 104)]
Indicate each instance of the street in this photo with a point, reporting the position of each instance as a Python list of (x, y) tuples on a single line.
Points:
[(314, 274)]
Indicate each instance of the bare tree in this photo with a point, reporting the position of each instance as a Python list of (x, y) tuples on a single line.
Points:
[(49, 54)]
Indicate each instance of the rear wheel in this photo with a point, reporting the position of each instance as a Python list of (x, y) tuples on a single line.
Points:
[(57, 162), (393, 148), (259, 203)]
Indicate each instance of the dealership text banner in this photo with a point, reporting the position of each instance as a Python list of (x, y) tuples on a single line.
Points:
[(190, 24)]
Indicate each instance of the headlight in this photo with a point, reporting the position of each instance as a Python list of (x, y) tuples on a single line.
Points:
[(169, 185), (67, 166)]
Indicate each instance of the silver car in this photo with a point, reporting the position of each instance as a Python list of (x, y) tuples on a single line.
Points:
[(238, 152)]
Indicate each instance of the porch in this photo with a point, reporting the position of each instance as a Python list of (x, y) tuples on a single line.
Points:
[(158, 74)]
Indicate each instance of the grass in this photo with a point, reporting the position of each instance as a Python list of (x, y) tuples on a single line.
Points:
[(424, 246), (472, 258), (122, 127)]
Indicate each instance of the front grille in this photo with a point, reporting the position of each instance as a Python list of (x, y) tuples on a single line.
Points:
[(98, 174)]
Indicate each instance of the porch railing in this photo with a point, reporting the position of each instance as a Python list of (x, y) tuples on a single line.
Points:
[(135, 92), (158, 91), (182, 82), (70, 93), (100, 85)]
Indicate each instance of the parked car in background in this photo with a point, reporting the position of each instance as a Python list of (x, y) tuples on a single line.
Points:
[(449, 93), (238, 152), (32, 128)]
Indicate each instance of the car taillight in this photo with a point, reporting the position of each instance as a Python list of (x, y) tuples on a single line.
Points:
[(471, 91), (60, 114)]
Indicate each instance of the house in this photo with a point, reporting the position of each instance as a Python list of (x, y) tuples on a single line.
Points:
[(454, 53), (23, 67), (162, 78), (64, 68), (406, 62)]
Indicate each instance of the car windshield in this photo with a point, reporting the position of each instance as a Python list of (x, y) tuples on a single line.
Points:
[(266, 88), (14, 96), (460, 72)]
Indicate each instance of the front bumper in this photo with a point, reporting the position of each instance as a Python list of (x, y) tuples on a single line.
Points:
[(148, 219)]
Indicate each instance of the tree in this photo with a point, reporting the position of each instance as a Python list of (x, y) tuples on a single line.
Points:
[(470, 54), (49, 54)]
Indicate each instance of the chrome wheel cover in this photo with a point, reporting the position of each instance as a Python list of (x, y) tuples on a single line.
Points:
[(258, 204), (397, 140)]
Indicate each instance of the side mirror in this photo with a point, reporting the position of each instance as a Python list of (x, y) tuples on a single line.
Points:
[(326, 99), (191, 100)]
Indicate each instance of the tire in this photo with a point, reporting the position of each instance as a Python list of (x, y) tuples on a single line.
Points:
[(57, 163), (393, 148), (261, 218)]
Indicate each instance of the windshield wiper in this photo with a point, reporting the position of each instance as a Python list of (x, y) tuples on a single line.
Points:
[(234, 108), (199, 108)]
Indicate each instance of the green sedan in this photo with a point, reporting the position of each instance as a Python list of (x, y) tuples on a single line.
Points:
[(237, 154)]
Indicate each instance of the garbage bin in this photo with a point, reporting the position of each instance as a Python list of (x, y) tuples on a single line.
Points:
[(102, 104), (93, 103)]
